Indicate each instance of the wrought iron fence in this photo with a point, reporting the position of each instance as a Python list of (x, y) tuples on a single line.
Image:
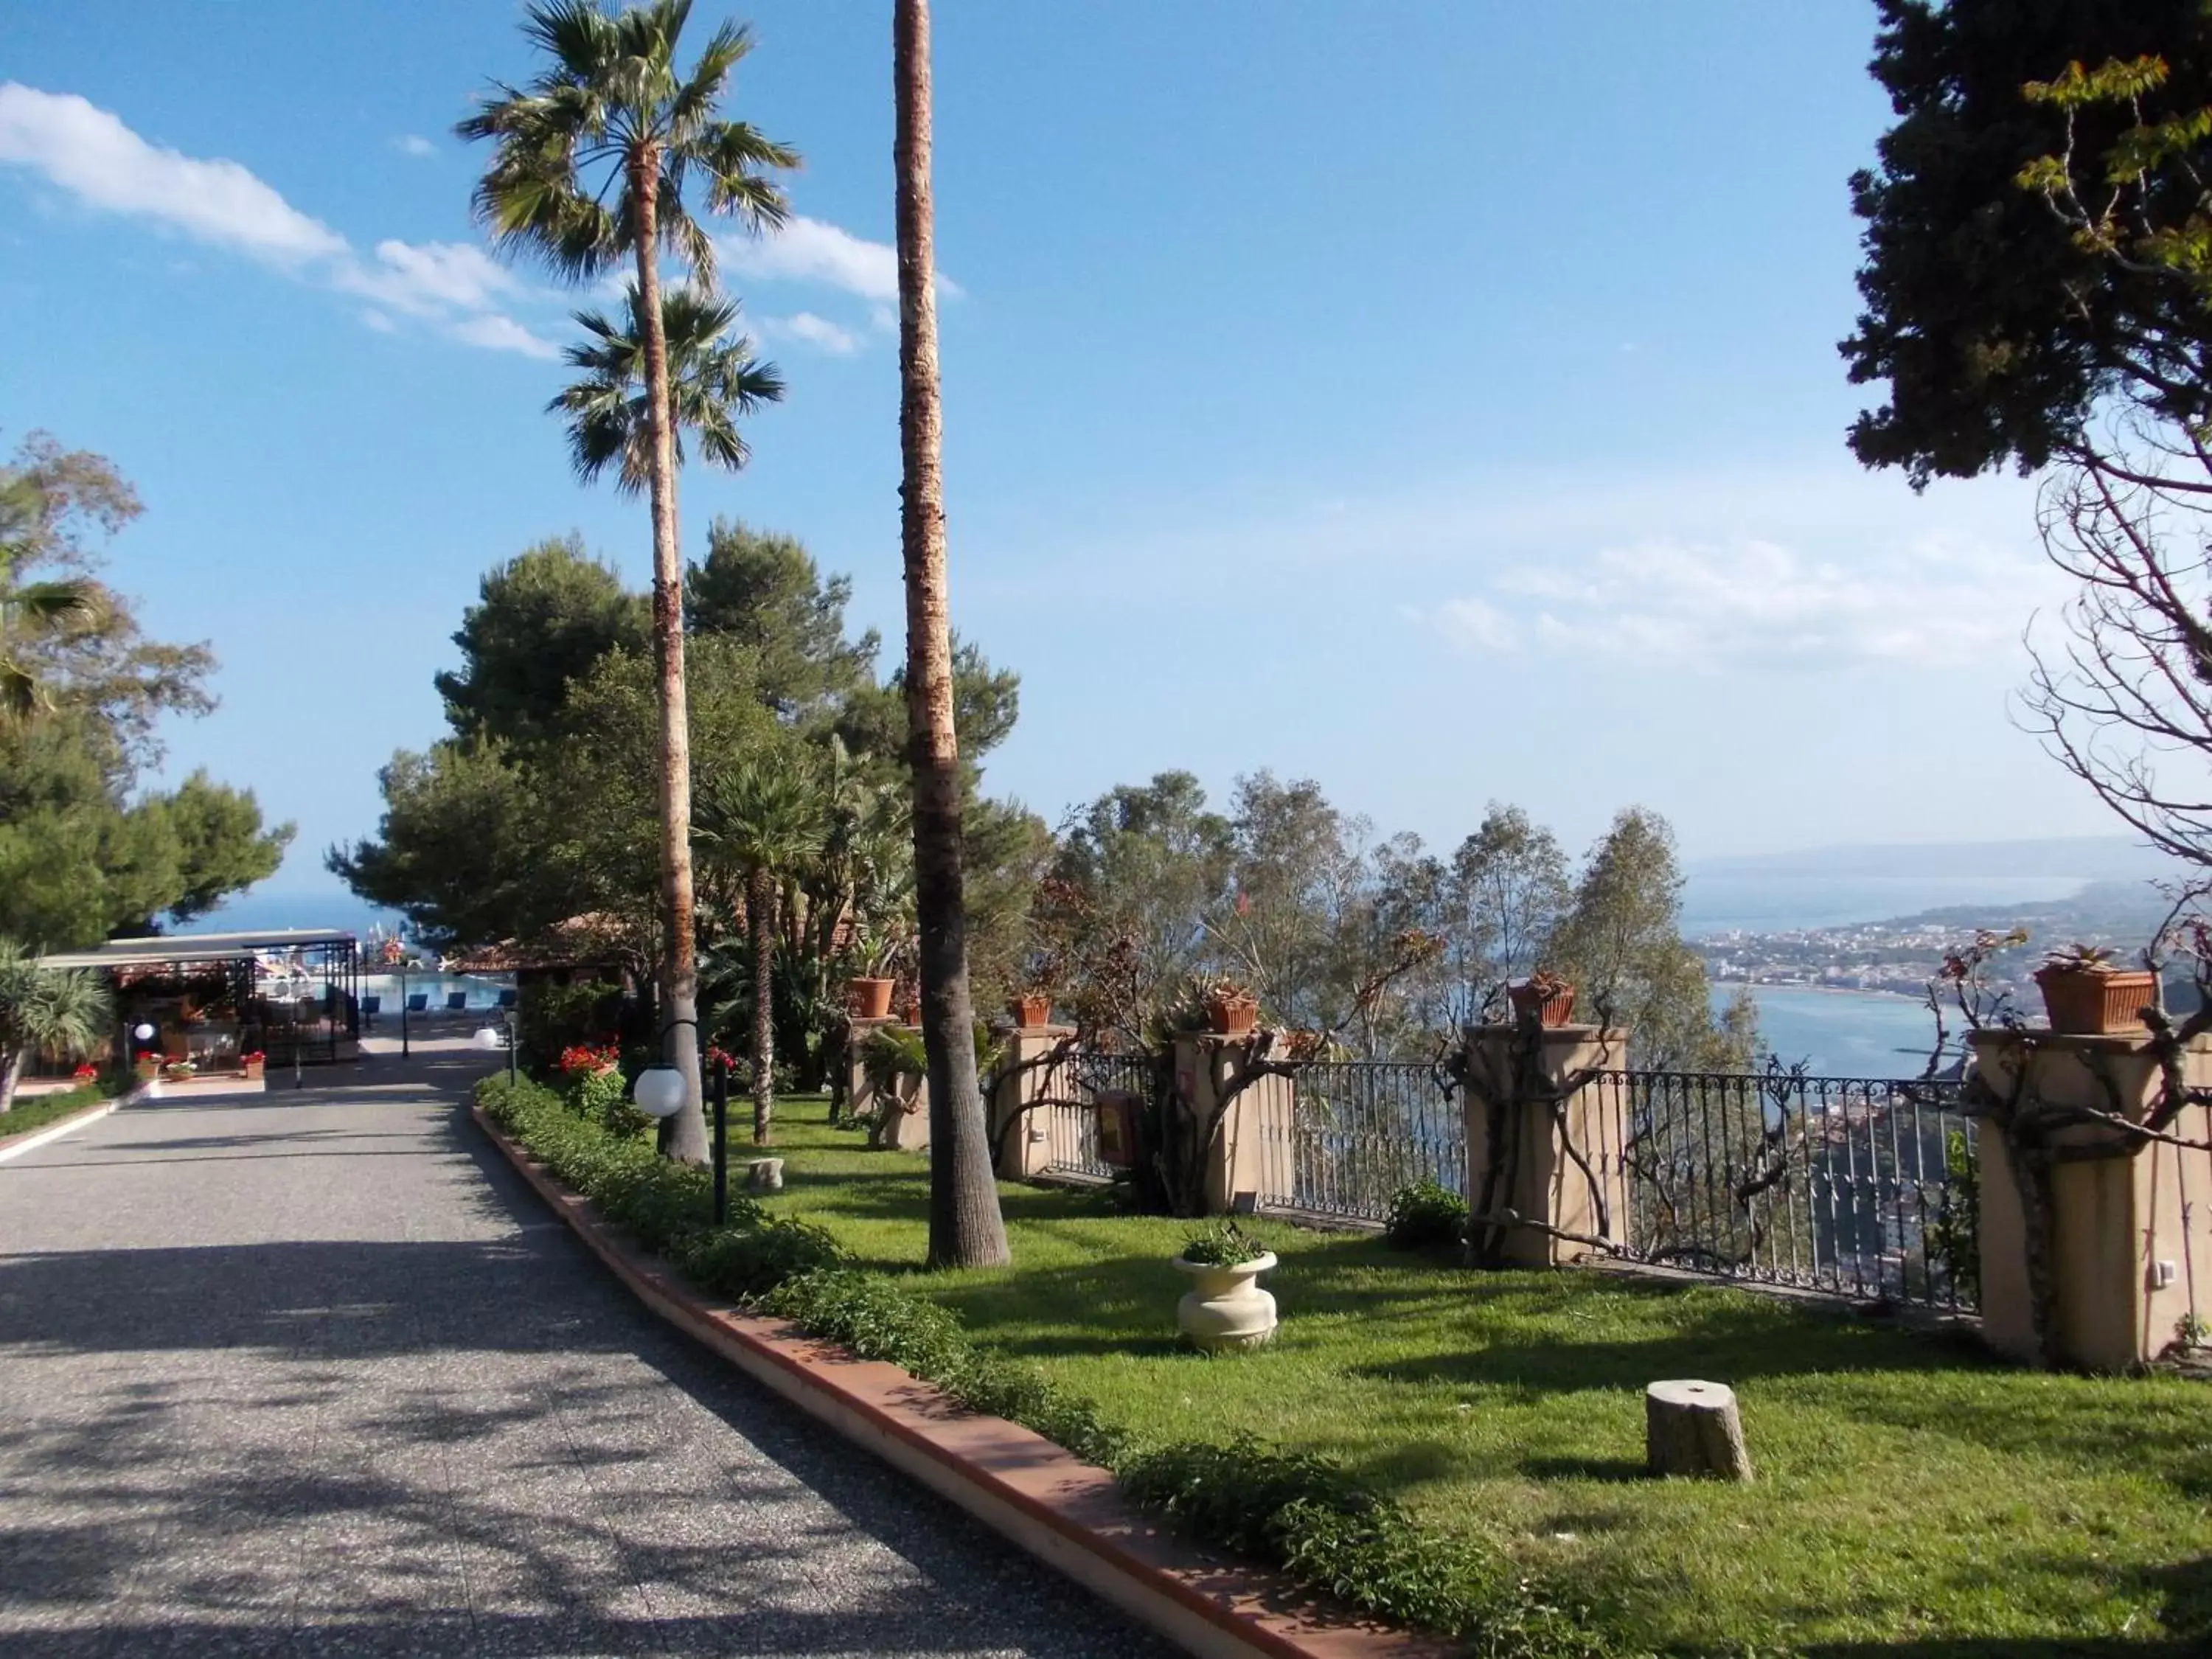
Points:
[(1071, 1119), (1861, 1187), (1340, 1137)]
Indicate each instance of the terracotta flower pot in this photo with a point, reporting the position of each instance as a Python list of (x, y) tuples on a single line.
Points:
[(1232, 1015), (1030, 1012), (1226, 1309), (2090, 1002), (252, 1070), (1552, 1011), (870, 998)]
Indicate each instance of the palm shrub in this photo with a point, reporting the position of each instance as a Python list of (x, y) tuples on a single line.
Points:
[(62, 1013)]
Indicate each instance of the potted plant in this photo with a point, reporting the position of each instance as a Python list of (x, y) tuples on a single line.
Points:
[(2085, 995), (1233, 1010), (147, 1066), (874, 954), (1225, 1308), (253, 1061), (1545, 995), (1030, 1008), (179, 1071)]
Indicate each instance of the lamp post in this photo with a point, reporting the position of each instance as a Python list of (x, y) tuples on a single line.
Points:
[(507, 1019), (659, 1091), (721, 1138)]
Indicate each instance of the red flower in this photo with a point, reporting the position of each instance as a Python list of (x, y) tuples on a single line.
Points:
[(85, 1073)]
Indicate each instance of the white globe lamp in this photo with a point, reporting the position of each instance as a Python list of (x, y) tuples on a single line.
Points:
[(659, 1091), (488, 1037), (142, 1031)]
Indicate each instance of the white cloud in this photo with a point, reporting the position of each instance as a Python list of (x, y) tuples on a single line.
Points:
[(811, 252), (1476, 625), (501, 333), (1753, 602), (423, 279), (89, 153), (409, 143), (815, 330)]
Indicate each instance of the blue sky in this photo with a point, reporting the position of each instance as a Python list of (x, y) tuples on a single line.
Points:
[(1439, 400)]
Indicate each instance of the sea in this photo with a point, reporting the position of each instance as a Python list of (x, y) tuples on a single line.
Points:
[(1872, 1034)]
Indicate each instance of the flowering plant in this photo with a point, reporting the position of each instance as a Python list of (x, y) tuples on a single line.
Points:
[(85, 1072), (580, 1057), (252, 1057)]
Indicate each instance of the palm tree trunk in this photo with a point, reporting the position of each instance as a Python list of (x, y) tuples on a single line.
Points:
[(965, 1228), (11, 1077), (760, 916), (687, 1137)]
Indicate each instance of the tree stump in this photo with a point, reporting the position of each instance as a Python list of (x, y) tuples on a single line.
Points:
[(1691, 1428), (765, 1175)]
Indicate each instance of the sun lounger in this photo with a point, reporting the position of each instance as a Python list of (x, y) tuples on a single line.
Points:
[(418, 1002), (456, 1002), (507, 998)]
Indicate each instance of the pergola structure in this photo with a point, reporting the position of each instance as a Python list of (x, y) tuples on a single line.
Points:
[(290, 993)]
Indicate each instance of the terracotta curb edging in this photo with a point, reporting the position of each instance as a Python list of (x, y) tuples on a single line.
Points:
[(1069, 1514)]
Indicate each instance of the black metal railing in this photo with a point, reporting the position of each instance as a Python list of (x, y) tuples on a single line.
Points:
[(1861, 1187), (1339, 1137), (1071, 1088)]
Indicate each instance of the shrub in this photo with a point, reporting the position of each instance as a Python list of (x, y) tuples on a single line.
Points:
[(1298, 1512), (1423, 1214)]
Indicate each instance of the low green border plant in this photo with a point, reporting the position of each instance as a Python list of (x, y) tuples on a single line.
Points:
[(1302, 1514), (1424, 1214)]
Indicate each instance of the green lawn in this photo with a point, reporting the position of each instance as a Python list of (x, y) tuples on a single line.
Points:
[(36, 1111), (1911, 1491)]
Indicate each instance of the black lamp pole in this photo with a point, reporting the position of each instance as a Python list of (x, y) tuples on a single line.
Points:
[(404, 1050), (507, 1018), (721, 1138)]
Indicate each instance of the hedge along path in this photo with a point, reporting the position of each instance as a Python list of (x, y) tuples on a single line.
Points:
[(1307, 1519)]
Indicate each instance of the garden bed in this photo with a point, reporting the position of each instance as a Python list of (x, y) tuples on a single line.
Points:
[(35, 1112), (1910, 1488)]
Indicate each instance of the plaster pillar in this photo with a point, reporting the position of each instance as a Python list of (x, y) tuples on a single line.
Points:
[(1547, 1185), (1251, 1152), (906, 1131), (2131, 1235), (1026, 1148)]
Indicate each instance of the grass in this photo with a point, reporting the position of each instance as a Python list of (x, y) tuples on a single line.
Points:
[(1912, 1494), (36, 1111)]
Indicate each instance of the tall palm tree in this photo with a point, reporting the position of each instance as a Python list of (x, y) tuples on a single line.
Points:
[(965, 1227), (58, 1011), (592, 161), (766, 817), (29, 610)]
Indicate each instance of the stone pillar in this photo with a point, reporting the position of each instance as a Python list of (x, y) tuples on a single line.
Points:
[(905, 1131), (1547, 1184), (1026, 1148), (860, 1094), (1251, 1152), (2130, 1237)]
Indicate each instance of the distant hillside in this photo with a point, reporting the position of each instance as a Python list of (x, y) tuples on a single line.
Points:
[(2079, 858), (2103, 912)]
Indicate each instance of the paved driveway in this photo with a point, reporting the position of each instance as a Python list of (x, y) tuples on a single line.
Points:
[(310, 1373)]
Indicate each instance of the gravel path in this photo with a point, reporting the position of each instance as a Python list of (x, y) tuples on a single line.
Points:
[(310, 1373)]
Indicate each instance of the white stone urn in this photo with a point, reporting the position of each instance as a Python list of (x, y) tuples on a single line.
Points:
[(1226, 1309)]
